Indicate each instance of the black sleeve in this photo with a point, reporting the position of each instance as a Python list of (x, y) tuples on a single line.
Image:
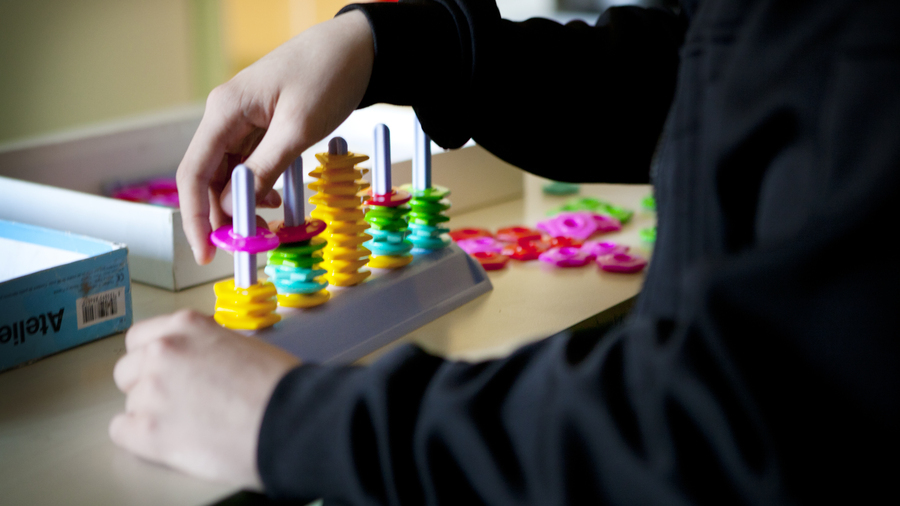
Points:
[(574, 103), (777, 384), (643, 416)]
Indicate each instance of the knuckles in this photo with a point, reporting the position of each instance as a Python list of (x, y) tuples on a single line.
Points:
[(188, 318), (223, 96)]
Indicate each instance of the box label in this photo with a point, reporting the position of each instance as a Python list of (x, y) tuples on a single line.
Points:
[(100, 307)]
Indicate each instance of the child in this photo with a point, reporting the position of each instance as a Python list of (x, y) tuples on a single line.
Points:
[(760, 364)]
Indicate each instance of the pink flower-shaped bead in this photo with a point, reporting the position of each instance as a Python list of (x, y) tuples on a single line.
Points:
[(621, 262), (480, 245), (606, 224), (565, 257), (600, 248), (577, 225)]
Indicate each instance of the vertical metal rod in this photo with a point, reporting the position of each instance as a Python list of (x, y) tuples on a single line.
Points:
[(294, 213), (243, 205), (381, 170), (337, 146), (421, 176)]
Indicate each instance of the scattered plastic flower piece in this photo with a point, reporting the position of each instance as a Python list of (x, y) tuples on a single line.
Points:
[(563, 242), (560, 188), (159, 191), (481, 244), (518, 234), (566, 257), (621, 262), (469, 233), (600, 248), (579, 225), (606, 224), (595, 206), (491, 261), (648, 234), (525, 250)]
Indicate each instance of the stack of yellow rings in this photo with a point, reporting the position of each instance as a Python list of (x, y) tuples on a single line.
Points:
[(250, 308), (338, 204)]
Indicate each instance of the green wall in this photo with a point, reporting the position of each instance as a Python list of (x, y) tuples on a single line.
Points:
[(66, 63)]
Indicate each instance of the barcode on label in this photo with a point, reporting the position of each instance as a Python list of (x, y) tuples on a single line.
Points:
[(100, 307)]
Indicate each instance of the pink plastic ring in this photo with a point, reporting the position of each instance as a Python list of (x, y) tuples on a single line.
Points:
[(606, 224), (621, 262), (393, 199), (480, 244), (226, 239), (311, 228), (600, 248), (565, 257), (578, 225)]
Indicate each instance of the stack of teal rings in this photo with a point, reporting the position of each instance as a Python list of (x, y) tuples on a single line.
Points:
[(426, 218), (386, 216), (293, 268)]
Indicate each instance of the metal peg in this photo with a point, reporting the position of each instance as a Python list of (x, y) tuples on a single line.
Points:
[(243, 205), (294, 213), (337, 146), (421, 175), (381, 170)]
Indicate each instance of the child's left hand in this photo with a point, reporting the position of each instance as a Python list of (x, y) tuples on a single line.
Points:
[(196, 394)]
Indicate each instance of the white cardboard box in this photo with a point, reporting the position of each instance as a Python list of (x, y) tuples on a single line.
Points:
[(56, 181)]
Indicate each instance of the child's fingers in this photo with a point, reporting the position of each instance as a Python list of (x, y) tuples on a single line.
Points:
[(272, 200), (128, 370), (146, 331), (203, 157), (280, 146), (166, 326), (137, 433)]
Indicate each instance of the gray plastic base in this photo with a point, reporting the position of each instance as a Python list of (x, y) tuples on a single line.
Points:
[(388, 305)]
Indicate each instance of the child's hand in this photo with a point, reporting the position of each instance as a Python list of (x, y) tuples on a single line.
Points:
[(196, 394), (272, 111)]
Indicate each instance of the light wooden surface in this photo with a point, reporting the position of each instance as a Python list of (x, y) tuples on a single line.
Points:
[(54, 413)]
